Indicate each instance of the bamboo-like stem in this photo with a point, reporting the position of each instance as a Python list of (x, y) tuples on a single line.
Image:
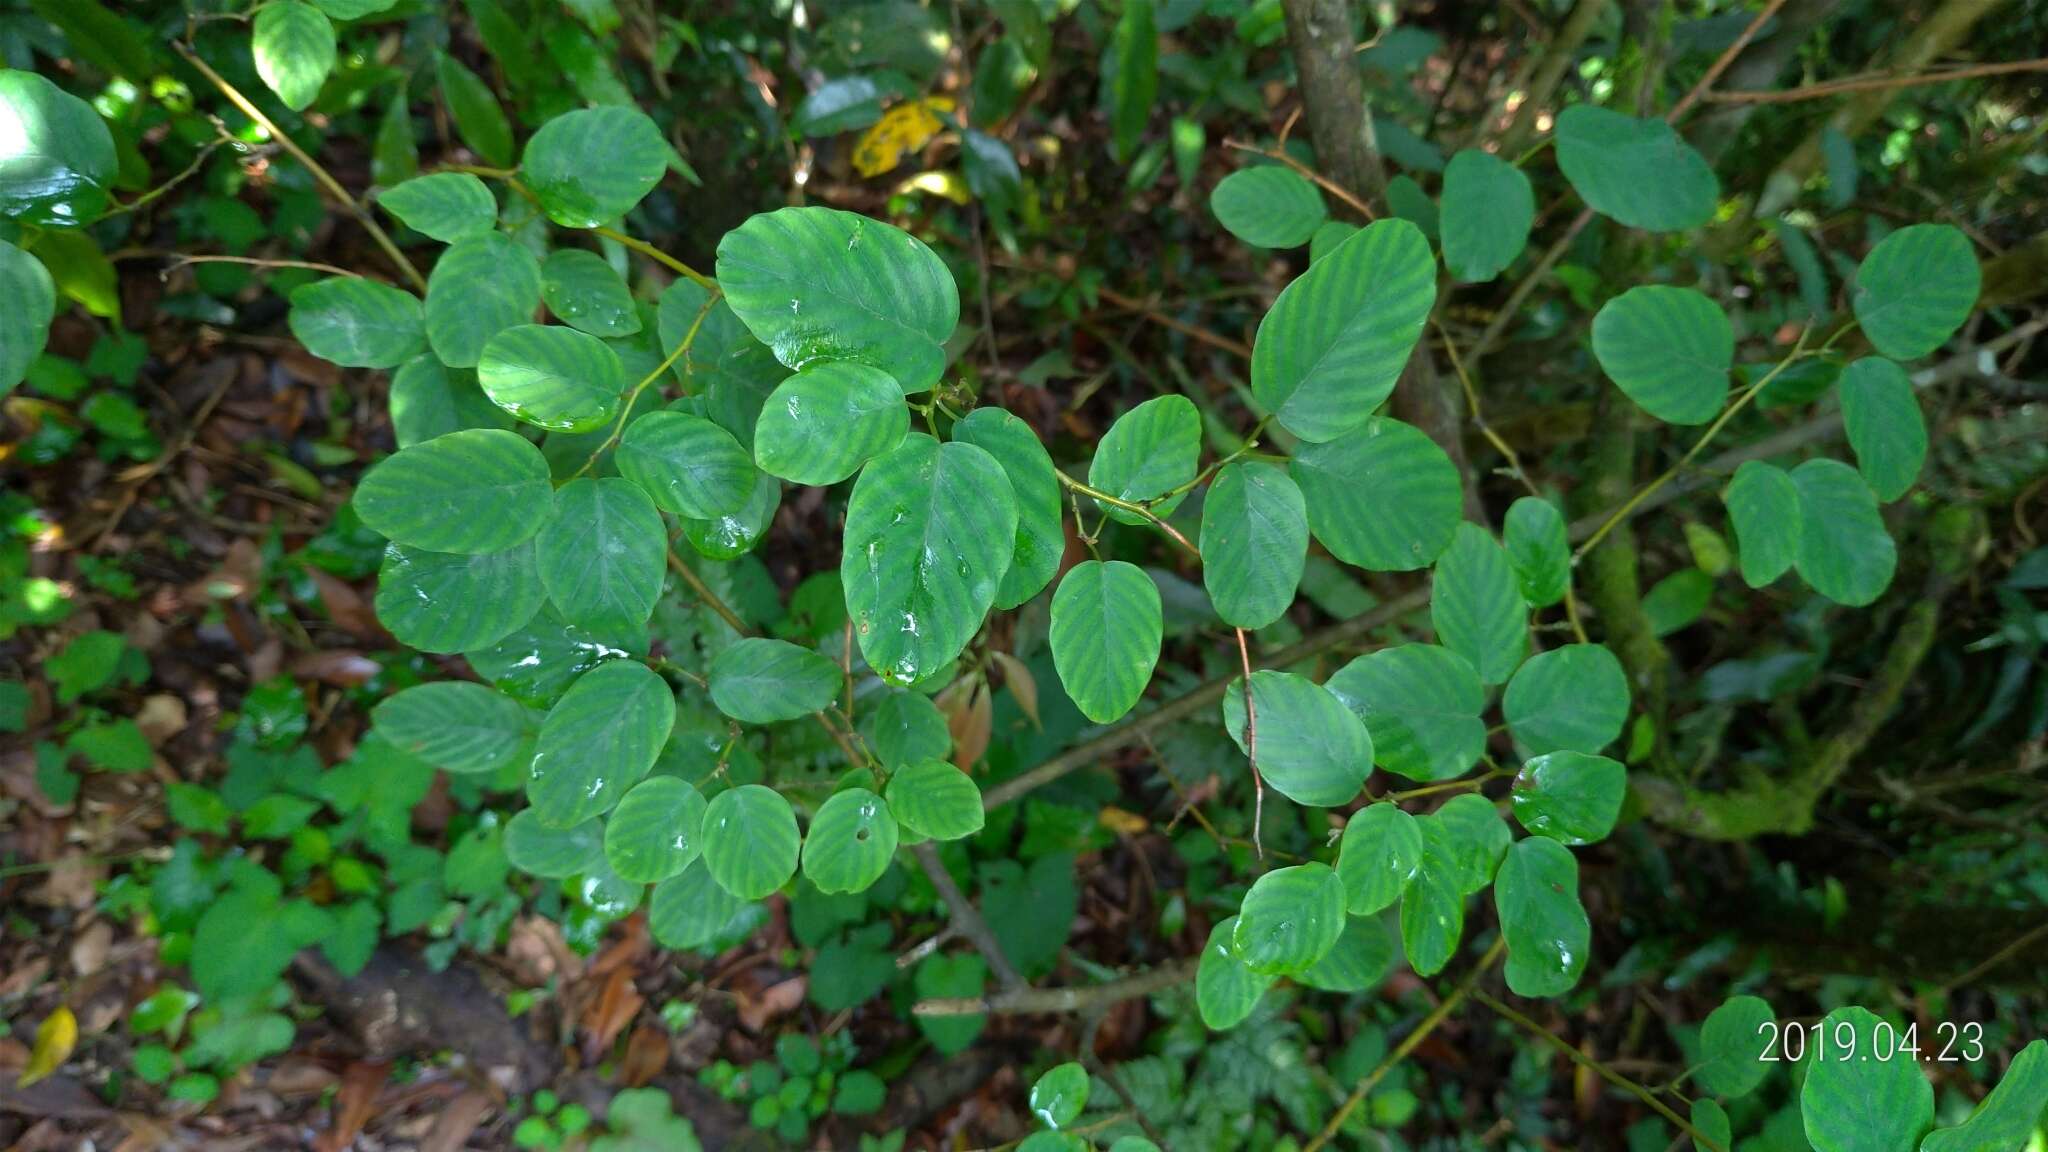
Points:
[(1876, 83), (1132, 507), (661, 369), (1075, 999), (656, 255), (1705, 87)]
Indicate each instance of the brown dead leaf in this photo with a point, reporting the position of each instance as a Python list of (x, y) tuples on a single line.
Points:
[(1023, 685), (340, 667), (346, 606), (608, 1015), (774, 1001), (89, 951), (161, 717), (646, 1056), (970, 717), (457, 1121), (353, 1104)]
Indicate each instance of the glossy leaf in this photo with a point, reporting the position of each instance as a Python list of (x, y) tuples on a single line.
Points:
[(690, 911), (603, 556), (457, 726), (538, 660), (476, 491), (474, 107), (1570, 797), (58, 161), (1669, 349), (584, 292), (481, 286), (1338, 336), (1764, 509), (930, 529), (1575, 697), (1291, 918), (1548, 935), (430, 399), (1422, 705), (1845, 554), (1637, 171), (552, 377), (850, 842), (734, 534), (446, 206), (592, 165), (1478, 838), (818, 284), (934, 799), (1539, 549), (1151, 450), (723, 363), (1853, 1101), (1488, 208), (1383, 497), (820, 425), (750, 841), (656, 831), (1476, 605), (294, 48), (358, 323), (1254, 542), (451, 602), (1884, 425), (759, 681), (1040, 538), (1711, 1121), (1378, 858), (1058, 1096), (1733, 1042), (32, 303), (1433, 905), (1311, 748), (599, 739), (2007, 1117), (552, 853), (1915, 289), (1106, 630), (1268, 206), (1226, 989), (689, 465), (1359, 961)]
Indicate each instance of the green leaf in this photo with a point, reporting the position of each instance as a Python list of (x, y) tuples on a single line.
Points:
[(1476, 604), (604, 554), (1433, 905), (1378, 858), (32, 303), (1669, 349), (940, 976), (1058, 1096), (552, 853), (724, 362), (818, 284), (689, 465), (1677, 601), (1254, 542), (1338, 336), (935, 800), (1422, 705), (1548, 935), (395, 153), (585, 293), (2007, 1117), (850, 843), (1764, 509), (478, 119), (357, 323), (430, 399), (1855, 1101), (599, 739), (476, 491), (1884, 424), (750, 841), (1291, 918), (734, 534), (1149, 451), (1133, 77), (447, 206), (552, 377), (1733, 1042), (656, 831), (1106, 629), (1639, 172), (1570, 797), (757, 681), (1844, 552), (457, 726), (294, 48), (1383, 497), (1335, 232), (907, 727), (1040, 538), (58, 160), (454, 602), (591, 166), (929, 533), (481, 286), (539, 659), (1575, 697), (1311, 748), (691, 911), (1478, 838), (1538, 549), (1488, 208), (1226, 989), (1915, 289), (820, 425), (1712, 1122), (1363, 954), (1268, 206)]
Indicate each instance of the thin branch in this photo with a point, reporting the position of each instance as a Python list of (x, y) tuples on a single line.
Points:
[(1321, 181), (1236, 348), (1251, 746), (1706, 83), (661, 369), (1135, 509), (705, 593), (967, 921), (1512, 307), (2011, 950), (1875, 83), (657, 255), (1076, 999)]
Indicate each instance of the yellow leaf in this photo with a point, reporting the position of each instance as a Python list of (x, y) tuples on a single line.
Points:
[(1121, 822), (54, 1042), (904, 128)]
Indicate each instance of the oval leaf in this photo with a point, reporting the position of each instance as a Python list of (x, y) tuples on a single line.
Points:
[(1150, 451), (457, 726), (1383, 497), (1476, 605), (592, 165), (452, 602), (1884, 424), (481, 286), (587, 294), (1535, 536), (1915, 289), (1639, 172), (1378, 858), (1106, 629), (1291, 918), (1268, 206), (820, 425), (476, 491), (656, 831), (1574, 697), (1537, 894), (1311, 748), (552, 377), (447, 206), (604, 554), (1488, 208), (358, 323), (294, 48), (850, 843), (1763, 508), (750, 841), (1570, 797), (1254, 542), (1040, 537), (1226, 989), (935, 800), (1845, 554), (552, 853), (759, 681), (1422, 705), (689, 465), (599, 739), (1669, 349), (1855, 1100)]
